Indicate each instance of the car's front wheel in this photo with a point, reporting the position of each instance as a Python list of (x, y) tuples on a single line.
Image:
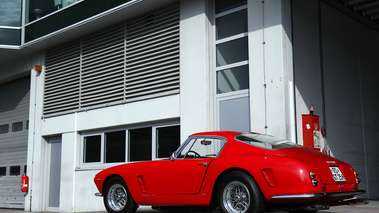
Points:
[(238, 192), (117, 198)]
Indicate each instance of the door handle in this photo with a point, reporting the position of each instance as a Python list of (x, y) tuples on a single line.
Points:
[(202, 163)]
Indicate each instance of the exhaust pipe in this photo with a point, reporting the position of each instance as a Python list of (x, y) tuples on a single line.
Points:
[(316, 207)]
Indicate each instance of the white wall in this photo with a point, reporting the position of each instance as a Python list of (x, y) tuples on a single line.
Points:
[(195, 82)]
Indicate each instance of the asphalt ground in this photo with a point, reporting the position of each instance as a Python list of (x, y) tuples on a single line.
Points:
[(371, 207)]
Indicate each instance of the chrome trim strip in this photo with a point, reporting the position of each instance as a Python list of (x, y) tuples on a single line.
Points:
[(318, 195), (98, 194)]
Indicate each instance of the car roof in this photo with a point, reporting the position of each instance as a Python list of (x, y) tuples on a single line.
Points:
[(226, 134)]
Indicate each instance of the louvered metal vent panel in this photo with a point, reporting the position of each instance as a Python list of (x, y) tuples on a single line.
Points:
[(62, 79), (136, 60), (103, 67), (152, 55)]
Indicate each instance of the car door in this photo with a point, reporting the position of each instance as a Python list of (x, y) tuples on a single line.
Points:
[(182, 176), (185, 173)]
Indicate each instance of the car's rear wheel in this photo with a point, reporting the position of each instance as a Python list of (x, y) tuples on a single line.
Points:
[(117, 198), (238, 192)]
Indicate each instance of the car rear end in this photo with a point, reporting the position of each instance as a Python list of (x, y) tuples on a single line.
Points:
[(335, 182)]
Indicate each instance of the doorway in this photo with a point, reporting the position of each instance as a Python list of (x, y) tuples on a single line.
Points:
[(54, 174)]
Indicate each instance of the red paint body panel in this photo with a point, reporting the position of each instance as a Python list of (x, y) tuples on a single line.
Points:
[(191, 182)]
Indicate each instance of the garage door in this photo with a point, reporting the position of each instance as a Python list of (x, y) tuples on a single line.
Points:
[(14, 115)]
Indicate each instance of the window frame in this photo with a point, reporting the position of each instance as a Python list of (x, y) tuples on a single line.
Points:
[(102, 164), (224, 40)]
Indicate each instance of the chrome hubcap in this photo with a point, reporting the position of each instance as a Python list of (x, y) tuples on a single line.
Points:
[(117, 197), (236, 197)]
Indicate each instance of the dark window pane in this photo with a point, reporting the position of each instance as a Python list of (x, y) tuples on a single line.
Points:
[(92, 149), (4, 128), (3, 171), (10, 36), (14, 170), (224, 5), (232, 51), (168, 140), (17, 127), (140, 144), (115, 147), (233, 79), (231, 24)]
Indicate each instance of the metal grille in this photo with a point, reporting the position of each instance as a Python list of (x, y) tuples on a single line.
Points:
[(133, 61), (152, 57), (62, 79), (103, 68)]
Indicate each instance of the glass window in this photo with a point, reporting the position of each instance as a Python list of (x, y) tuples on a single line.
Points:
[(10, 36), (140, 144), (232, 51), (115, 147), (202, 148), (15, 170), (224, 5), (92, 149), (231, 24), (265, 141), (3, 171), (39, 8), (16, 127), (4, 128), (168, 140), (10, 13), (233, 79)]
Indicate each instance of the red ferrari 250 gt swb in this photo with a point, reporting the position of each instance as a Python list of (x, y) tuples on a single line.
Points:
[(232, 172)]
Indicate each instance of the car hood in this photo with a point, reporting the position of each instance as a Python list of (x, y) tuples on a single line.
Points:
[(322, 163)]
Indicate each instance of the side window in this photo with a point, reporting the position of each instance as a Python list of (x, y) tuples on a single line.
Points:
[(202, 148)]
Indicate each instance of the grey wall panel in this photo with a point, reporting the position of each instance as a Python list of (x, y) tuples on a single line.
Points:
[(14, 108), (349, 65)]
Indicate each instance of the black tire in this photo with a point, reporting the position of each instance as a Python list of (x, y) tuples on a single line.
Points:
[(117, 198), (238, 192)]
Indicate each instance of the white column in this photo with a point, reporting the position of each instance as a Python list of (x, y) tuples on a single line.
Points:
[(270, 60), (194, 67)]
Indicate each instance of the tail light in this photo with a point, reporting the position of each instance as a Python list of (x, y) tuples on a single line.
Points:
[(312, 174), (356, 176)]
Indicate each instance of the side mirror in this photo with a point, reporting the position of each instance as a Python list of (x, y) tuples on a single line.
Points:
[(172, 157)]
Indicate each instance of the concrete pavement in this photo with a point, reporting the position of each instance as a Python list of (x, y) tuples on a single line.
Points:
[(372, 207)]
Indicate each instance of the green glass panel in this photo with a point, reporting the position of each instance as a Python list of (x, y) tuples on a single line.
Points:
[(10, 13), (68, 16), (224, 5), (231, 24), (233, 79), (232, 51), (10, 36)]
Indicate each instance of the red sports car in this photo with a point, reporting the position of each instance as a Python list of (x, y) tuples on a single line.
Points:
[(234, 172)]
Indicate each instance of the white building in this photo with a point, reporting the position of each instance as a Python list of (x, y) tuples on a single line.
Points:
[(128, 80)]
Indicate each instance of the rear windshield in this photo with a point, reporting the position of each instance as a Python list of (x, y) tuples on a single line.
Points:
[(265, 141)]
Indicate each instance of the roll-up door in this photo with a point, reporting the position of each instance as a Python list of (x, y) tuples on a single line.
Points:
[(14, 115)]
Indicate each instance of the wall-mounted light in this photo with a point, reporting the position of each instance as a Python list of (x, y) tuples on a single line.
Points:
[(38, 68)]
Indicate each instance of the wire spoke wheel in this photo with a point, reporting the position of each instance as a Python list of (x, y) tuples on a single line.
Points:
[(239, 193), (236, 197), (117, 197)]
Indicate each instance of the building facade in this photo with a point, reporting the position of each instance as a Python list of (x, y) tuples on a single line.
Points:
[(86, 85)]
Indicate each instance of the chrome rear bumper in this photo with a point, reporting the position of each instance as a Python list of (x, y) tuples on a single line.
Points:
[(316, 196)]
